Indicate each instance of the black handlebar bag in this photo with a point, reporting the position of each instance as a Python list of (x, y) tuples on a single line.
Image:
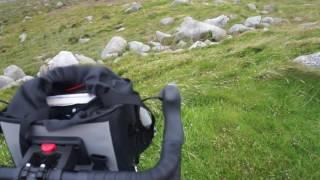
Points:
[(111, 124)]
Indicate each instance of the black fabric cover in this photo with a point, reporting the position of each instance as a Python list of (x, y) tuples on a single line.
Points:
[(116, 102), (32, 95)]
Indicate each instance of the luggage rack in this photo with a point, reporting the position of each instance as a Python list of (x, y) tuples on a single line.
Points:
[(47, 153)]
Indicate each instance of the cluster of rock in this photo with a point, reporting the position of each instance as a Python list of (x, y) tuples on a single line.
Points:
[(13, 76), (198, 33), (62, 59), (255, 22), (189, 31), (265, 10)]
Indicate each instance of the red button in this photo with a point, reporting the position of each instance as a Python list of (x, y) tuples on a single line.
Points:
[(48, 148)]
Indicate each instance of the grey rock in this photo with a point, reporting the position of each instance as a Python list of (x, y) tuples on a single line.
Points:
[(164, 38), (218, 2), (14, 72), (312, 60), (152, 43), (121, 29), (5, 81), (182, 44), (196, 30), (118, 26), (84, 40), (24, 79), (269, 8), (219, 21), (265, 29), (59, 4), (139, 47), (159, 47), (63, 59), (167, 21), (310, 25), (236, 1), (263, 12), (233, 16), (177, 2), (264, 25), (7, 1), (198, 44), (13, 84), (277, 20), (43, 70), (210, 43), (23, 37), (238, 28), (115, 47), (253, 21), (26, 18), (89, 18), (134, 7), (298, 19), (111, 55), (84, 59), (252, 6), (267, 20)]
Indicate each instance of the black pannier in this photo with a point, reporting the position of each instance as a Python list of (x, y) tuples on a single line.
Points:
[(113, 123)]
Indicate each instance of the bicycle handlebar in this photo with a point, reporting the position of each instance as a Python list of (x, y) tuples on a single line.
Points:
[(168, 166)]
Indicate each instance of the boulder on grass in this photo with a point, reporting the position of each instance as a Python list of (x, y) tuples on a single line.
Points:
[(139, 47), (238, 29), (167, 21), (64, 58), (196, 30), (312, 60), (252, 6), (115, 47), (14, 72), (220, 21), (5, 81), (134, 7), (253, 21), (82, 59), (164, 38)]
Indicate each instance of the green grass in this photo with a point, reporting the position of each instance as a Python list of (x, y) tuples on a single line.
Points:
[(248, 111)]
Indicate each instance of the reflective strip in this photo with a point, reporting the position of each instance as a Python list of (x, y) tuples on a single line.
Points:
[(69, 99)]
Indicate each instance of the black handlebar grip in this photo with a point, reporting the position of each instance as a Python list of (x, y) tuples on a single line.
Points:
[(171, 106)]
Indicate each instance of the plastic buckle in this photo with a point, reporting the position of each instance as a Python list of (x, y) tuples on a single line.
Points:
[(30, 172)]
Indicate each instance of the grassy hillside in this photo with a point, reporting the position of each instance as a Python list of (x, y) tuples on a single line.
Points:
[(248, 111)]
